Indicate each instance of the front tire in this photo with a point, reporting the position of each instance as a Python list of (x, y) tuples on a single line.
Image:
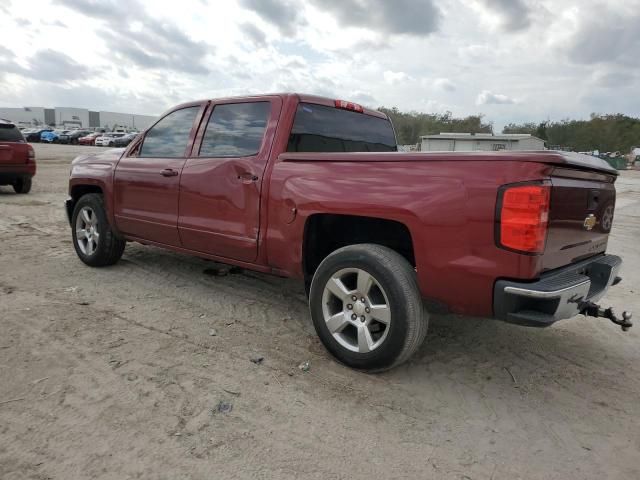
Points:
[(366, 307), (94, 240), (22, 185)]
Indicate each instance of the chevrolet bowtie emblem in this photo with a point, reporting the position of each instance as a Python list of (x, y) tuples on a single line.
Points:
[(590, 222)]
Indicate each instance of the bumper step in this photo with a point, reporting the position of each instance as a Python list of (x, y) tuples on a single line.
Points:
[(556, 295)]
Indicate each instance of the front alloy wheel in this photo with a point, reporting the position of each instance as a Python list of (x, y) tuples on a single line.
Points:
[(94, 240), (87, 234)]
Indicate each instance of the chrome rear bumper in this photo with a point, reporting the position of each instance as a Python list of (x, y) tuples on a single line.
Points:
[(557, 294)]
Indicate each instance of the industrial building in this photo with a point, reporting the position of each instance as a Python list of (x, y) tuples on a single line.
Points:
[(67, 117), (484, 142)]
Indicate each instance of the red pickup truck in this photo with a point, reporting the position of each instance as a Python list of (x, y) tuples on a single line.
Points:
[(313, 188)]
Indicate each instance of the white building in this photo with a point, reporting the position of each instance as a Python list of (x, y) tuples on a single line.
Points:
[(26, 116), (484, 142), (128, 121), (66, 117)]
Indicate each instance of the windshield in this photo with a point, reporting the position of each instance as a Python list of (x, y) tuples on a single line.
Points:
[(318, 128)]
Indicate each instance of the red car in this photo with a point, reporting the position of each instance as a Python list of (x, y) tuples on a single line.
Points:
[(89, 139), (313, 188), (17, 158)]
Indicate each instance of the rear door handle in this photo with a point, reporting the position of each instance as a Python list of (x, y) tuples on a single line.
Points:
[(169, 172), (247, 177)]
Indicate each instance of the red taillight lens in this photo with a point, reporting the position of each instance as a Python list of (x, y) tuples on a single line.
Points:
[(523, 217), (354, 107), (32, 153)]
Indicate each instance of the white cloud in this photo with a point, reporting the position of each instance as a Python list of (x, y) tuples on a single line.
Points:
[(393, 78), (571, 56), (444, 84), (509, 15), (489, 98)]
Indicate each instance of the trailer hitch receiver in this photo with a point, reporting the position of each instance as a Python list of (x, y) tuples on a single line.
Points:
[(594, 310)]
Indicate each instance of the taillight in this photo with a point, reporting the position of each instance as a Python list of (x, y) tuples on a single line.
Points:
[(32, 153), (354, 107), (523, 214)]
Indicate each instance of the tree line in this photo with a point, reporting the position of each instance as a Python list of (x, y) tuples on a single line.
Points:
[(606, 133), (411, 125)]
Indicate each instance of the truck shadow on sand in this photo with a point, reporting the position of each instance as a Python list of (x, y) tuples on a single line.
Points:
[(477, 350)]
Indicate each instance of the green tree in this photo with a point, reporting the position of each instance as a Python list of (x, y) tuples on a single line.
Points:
[(410, 126), (607, 133)]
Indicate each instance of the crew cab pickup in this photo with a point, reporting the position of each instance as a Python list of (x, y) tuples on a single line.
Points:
[(313, 188)]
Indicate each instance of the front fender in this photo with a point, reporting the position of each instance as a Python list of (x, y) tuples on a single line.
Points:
[(94, 173)]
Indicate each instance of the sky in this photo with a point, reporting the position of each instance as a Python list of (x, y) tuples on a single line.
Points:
[(510, 60)]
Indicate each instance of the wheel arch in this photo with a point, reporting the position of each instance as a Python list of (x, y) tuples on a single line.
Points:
[(325, 233), (76, 191)]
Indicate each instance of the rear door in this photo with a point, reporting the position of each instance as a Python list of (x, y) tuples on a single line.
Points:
[(13, 148), (580, 216), (221, 184), (147, 179)]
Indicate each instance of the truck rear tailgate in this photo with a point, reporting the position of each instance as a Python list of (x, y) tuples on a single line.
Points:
[(6, 154), (14, 153), (580, 216)]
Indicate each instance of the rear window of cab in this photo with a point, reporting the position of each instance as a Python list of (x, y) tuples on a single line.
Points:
[(10, 133), (318, 128)]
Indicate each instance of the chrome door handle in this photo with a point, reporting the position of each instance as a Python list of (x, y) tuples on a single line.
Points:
[(169, 172)]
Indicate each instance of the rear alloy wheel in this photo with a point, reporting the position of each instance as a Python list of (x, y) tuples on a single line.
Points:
[(359, 319), (366, 307), (22, 185), (95, 242)]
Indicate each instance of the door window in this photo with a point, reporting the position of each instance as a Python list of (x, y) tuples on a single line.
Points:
[(235, 130), (170, 136)]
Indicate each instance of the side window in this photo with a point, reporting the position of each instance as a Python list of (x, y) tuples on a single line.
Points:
[(235, 130), (170, 136)]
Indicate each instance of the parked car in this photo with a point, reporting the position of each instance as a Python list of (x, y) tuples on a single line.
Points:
[(34, 134), (73, 136), (52, 136), (124, 140), (326, 198), (17, 158), (89, 139), (107, 139)]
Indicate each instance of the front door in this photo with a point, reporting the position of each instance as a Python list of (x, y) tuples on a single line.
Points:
[(221, 183), (147, 181)]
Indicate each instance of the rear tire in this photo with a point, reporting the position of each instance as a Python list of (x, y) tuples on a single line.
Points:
[(94, 240), (22, 185), (380, 332)]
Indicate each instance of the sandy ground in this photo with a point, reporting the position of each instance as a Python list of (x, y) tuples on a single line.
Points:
[(113, 374)]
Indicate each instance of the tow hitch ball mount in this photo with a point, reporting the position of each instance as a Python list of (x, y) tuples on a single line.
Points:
[(594, 310)]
